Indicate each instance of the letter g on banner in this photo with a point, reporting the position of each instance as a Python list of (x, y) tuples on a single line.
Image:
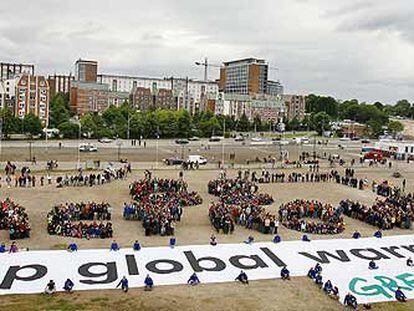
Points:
[(367, 290)]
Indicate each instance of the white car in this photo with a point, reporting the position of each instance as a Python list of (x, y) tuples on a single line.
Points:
[(197, 159), (105, 140), (87, 148)]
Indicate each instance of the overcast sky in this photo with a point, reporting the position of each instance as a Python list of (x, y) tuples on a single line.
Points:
[(360, 49)]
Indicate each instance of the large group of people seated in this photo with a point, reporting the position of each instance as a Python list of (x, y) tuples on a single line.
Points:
[(323, 217), (81, 220), (240, 204), (14, 218), (92, 179), (159, 204), (393, 211), (385, 189)]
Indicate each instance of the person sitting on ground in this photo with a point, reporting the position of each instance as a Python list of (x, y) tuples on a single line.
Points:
[(114, 246), (213, 240), (149, 283), (136, 246), (356, 235), (173, 242), (50, 288), (305, 238), (334, 293), (400, 296), (372, 265), (242, 278), (318, 268), (249, 240), (318, 280), (312, 273), (193, 280), (378, 234), (3, 248), (73, 247), (327, 288), (68, 286), (124, 284), (351, 301), (277, 239), (410, 262), (13, 248), (285, 273)]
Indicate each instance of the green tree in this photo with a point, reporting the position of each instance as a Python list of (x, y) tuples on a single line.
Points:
[(243, 125), (184, 124), (321, 122), (402, 108), (32, 124), (395, 127), (10, 124), (69, 129), (59, 112)]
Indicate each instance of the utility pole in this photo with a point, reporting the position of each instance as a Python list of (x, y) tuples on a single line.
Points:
[(222, 145)]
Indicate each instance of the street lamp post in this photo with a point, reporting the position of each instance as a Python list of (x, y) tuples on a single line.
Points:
[(79, 140), (156, 148), (222, 145)]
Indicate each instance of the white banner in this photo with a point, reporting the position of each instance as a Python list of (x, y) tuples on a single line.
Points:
[(344, 262)]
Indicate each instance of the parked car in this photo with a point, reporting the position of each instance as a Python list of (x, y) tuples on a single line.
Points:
[(239, 138), (194, 138), (197, 159), (105, 140), (87, 148), (182, 141), (214, 139), (365, 141), (173, 161)]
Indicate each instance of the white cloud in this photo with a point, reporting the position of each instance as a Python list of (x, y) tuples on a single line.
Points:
[(348, 49)]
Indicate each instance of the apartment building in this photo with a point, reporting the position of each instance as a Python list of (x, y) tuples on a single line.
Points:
[(87, 97), (12, 70), (32, 96), (60, 83), (86, 70), (295, 106)]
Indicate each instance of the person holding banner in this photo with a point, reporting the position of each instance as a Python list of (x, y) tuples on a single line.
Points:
[(73, 247), (50, 288), (193, 280), (410, 262), (136, 246), (149, 283), (351, 301), (372, 265), (68, 286), (400, 296), (213, 240), (242, 278), (173, 242), (124, 284), (114, 246), (378, 234), (285, 273), (356, 235), (3, 248)]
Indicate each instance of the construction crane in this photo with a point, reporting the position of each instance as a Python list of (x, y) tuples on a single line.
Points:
[(206, 64)]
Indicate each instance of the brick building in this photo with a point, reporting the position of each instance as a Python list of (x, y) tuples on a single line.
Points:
[(146, 99), (295, 106), (60, 83), (86, 70), (32, 96), (93, 97)]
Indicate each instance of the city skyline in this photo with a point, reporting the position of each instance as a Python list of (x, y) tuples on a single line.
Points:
[(346, 49)]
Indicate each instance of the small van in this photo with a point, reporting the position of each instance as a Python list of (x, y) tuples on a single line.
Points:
[(197, 159)]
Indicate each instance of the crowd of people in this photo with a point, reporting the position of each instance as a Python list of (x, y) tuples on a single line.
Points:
[(13, 217), (385, 189), (92, 179), (159, 203), (240, 204), (81, 220), (393, 211), (324, 218)]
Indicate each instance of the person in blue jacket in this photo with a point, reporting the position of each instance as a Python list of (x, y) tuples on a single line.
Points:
[(136, 246), (305, 238), (372, 265), (68, 286), (351, 301), (277, 239), (400, 296), (356, 235), (3, 248), (173, 242), (73, 247), (124, 284), (242, 278), (193, 280), (114, 246), (285, 273), (378, 234), (149, 283)]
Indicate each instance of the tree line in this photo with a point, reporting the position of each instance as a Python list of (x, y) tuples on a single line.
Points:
[(124, 122)]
